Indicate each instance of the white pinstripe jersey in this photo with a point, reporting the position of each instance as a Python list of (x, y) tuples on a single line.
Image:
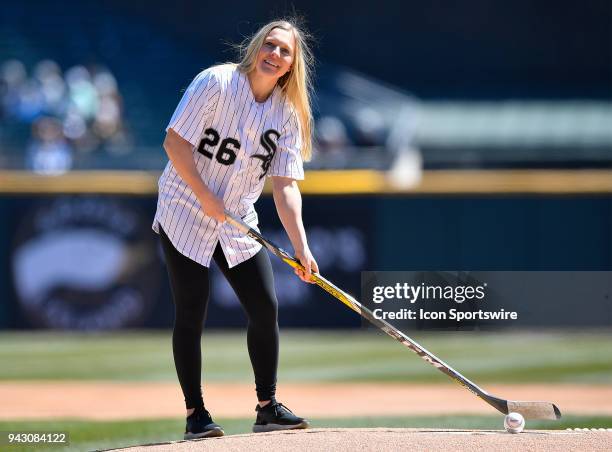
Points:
[(237, 141)]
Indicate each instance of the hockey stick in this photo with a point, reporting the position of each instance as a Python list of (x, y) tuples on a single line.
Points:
[(530, 410)]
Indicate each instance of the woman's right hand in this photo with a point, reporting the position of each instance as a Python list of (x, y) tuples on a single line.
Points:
[(180, 151), (213, 207)]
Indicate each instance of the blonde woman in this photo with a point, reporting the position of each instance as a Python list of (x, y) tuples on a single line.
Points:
[(235, 125)]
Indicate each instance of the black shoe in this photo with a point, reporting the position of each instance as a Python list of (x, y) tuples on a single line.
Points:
[(276, 416), (201, 425)]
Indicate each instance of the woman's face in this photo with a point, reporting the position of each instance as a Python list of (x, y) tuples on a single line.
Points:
[(276, 54)]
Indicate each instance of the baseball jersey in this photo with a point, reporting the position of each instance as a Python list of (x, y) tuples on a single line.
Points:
[(237, 142)]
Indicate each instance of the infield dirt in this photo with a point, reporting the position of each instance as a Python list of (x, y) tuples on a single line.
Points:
[(142, 400)]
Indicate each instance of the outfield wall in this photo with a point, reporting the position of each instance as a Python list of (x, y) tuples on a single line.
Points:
[(91, 261)]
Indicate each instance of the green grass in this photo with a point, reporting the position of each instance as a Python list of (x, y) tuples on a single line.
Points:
[(331, 356), (336, 356), (104, 435)]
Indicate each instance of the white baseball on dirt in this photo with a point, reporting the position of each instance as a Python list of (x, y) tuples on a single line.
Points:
[(514, 423)]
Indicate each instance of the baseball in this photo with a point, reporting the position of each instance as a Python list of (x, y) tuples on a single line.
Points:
[(514, 423)]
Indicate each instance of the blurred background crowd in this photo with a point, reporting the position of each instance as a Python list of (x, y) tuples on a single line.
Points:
[(57, 116), (93, 86)]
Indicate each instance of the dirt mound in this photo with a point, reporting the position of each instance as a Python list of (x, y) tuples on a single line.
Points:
[(381, 439)]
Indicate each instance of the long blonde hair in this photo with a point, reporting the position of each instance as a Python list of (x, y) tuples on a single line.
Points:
[(297, 83)]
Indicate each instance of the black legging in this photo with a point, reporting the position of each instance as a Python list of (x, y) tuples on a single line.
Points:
[(253, 283)]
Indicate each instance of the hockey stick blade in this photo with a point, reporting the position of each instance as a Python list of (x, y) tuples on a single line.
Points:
[(534, 410), (529, 410)]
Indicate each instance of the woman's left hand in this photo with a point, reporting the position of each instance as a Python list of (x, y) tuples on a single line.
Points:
[(309, 263)]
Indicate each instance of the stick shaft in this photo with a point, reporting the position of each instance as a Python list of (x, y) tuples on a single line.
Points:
[(543, 410)]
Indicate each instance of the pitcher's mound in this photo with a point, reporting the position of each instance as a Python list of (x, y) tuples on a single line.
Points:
[(393, 439)]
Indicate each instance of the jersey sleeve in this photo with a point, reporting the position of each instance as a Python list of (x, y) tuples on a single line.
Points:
[(189, 117), (287, 160)]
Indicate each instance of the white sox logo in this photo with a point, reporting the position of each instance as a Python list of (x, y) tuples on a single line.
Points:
[(270, 147), (229, 147)]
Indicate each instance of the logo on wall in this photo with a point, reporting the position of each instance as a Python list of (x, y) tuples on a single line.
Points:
[(85, 263)]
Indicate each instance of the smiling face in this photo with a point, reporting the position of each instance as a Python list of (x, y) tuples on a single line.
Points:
[(276, 54)]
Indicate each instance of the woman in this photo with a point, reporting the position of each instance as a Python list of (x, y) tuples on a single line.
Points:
[(235, 124)]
